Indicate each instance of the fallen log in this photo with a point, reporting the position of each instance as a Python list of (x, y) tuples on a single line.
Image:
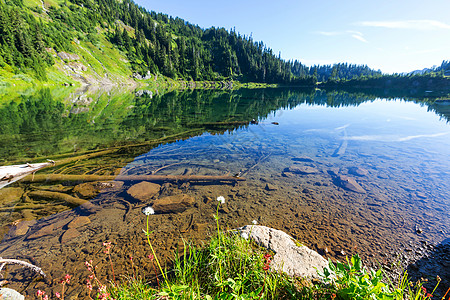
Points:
[(151, 178), (10, 174), (62, 197)]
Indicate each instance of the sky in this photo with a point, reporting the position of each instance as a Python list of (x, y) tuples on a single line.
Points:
[(394, 36)]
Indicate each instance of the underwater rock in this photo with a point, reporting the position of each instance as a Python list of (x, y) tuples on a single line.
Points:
[(42, 232), (303, 158), (358, 171), (92, 189), (334, 171), (350, 184), (144, 191), (271, 187), (69, 235), (290, 257), (21, 228), (10, 194), (173, 204), (305, 170), (79, 221)]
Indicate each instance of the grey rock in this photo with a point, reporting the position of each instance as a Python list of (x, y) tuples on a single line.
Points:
[(302, 170), (289, 257), (10, 294), (350, 184), (358, 171)]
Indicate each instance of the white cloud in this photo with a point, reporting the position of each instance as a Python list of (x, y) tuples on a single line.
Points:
[(410, 24), (354, 34), (359, 38)]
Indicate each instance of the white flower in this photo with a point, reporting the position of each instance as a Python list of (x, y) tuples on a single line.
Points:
[(254, 222), (244, 235), (148, 211), (221, 199)]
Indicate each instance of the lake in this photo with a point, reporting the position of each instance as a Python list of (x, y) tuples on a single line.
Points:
[(341, 172)]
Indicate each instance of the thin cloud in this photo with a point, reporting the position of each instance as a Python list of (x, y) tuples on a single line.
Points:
[(359, 38), (411, 24), (354, 34)]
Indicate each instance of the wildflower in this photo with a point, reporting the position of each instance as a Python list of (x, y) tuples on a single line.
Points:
[(45, 297), (254, 222), (66, 279), (221, 199), (40, 293), (108, 247), (57, 295), (333, 296), (151, 257), (89, 285), (266, 267), (244, 235), (148, 211), (267, 256)]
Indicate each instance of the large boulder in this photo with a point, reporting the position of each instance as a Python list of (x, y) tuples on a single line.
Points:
[(173, 204), (290, 257), (10, 294)]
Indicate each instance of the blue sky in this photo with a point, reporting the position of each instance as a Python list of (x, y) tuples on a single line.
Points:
[(391, 35)]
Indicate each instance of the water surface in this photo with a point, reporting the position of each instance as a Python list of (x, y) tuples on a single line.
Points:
[(395, 152)]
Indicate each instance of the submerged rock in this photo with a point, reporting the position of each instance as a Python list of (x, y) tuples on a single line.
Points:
[(144, 191), (42, 232), (303, 158), (10, 194), (271, 187), (358, 171), (21, 228), (69, 235), (90, 190), (173, 204), (79, 221), (294, 259), (350, 184), (305, 170)]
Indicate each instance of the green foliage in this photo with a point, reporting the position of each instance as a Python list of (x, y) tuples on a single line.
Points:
[(351, 280)]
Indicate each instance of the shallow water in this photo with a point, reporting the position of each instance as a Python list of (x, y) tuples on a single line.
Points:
[(395, 154)]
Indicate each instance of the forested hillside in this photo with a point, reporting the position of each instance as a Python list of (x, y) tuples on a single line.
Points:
[(32, 33), (109, 40)]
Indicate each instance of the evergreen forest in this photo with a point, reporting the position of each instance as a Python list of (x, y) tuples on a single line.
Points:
[(33, 32)]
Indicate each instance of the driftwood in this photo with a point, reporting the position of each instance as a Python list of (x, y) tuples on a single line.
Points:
[(155, 178), (62, 197), (10, 174), (4, 261)]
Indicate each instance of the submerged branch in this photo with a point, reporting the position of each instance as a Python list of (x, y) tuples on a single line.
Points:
[(163, 178)]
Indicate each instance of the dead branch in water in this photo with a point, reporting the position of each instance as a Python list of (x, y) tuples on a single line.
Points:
[(160, 178), (61, 197), (4, 261)]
